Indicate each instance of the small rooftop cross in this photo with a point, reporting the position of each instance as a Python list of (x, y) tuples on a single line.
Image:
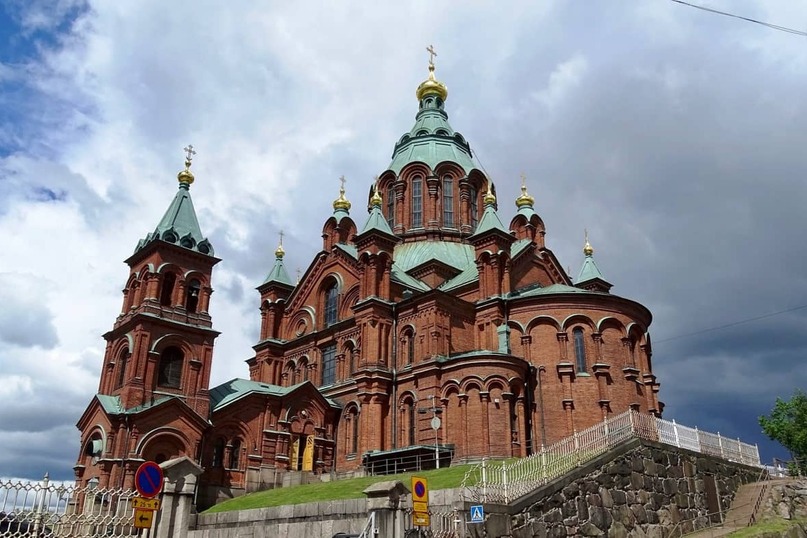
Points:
[(281, 238), (523, 179), (432, 54), (189, 152), (342, 181)]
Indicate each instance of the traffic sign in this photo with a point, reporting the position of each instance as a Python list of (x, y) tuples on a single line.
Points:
[(142, 503), (143, 519), (420, 490), (477, 513), (420, 519), (149, 479)]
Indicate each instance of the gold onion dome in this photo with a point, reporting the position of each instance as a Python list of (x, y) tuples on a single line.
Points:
[(525, 200), (341, 203), (186, 176), (489, 198), (279, 252), (376, 198), (432, 85), (588, 250)]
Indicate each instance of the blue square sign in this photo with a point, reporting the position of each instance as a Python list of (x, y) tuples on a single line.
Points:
[(477, 514)]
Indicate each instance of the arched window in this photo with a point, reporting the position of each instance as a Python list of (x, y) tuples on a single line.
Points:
[(391, 206), (302, 366), (417, 202), (123, 359), (169, 370), (331, 295), (192, 295), (354, 434), (329, 364), (351, 361), (218, 454), (235, 451), (474, 208), (409, 339), (579, 350), (448, 202), (167, 288)]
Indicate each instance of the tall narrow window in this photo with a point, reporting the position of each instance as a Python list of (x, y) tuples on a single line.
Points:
[(192, 295), (351, 361), (391, 206), (354, 434), (410, 347), (235, 451), (123, 359), (169, 371), (579, 350), (412, 419), (474, 208), (167, 289), (448, 202), (330, 305), (329, 364), (417, 202)]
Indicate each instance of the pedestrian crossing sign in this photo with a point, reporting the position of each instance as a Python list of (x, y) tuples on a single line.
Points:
[(477, 514)]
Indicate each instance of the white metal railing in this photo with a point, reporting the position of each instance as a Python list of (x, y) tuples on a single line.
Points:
[(442, 524), (504, 481), (55, 509), (369, 530)]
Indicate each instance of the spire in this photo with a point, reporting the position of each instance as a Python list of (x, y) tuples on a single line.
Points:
[(341, 206), (432, 140), (590, 276), (376, 220), (490, 219), (179, 224), (278, 274)]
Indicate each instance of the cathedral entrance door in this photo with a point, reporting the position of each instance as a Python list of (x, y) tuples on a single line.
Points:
[(308, 454)]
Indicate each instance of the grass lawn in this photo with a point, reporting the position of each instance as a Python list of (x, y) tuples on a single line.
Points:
[(338, 489), (777, 525)]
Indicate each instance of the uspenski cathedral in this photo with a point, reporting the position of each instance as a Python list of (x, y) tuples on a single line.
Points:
[(426, 307)]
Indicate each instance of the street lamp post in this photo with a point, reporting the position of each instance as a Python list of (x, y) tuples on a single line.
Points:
[(436, 427)]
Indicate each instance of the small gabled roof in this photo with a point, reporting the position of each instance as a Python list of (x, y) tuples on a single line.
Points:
[(236, 389), (589, 271), (376, 222)]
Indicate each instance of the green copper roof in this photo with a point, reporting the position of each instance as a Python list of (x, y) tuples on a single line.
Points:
[(377, 222), (237, 388), (551, 289), (468, 275), (490, 221), (432, 140), (179, 225), (278, 273), (589, 271), (410, 255), (397, 275)]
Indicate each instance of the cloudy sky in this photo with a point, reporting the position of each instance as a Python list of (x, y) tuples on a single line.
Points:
[(676, 136)]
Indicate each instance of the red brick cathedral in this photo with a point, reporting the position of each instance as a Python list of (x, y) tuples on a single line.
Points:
[(428, 306)]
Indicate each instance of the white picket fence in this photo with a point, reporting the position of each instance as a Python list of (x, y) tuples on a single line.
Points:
[(504, 481), (54, 509)]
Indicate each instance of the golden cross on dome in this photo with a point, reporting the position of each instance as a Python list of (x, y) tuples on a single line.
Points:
[(523, 179), (342, 181), (189, 152), (281, 237), (432, 54)]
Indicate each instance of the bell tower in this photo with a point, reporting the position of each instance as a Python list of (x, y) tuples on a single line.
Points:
[(162, 342), (153, 399)]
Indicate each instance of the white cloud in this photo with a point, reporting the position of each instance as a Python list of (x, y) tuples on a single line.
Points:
[(280, 99)]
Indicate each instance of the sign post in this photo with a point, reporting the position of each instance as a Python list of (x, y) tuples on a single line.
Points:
[(420, 502), (149, 484)]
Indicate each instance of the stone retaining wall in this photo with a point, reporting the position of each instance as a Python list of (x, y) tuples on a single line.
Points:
[(644, 491)]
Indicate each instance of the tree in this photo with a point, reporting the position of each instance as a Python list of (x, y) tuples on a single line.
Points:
[(787, 424)]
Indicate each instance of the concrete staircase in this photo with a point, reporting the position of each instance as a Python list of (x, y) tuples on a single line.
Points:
[(740, 512)]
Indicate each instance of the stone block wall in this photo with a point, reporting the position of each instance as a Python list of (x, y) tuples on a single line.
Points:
[(647, 490)]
